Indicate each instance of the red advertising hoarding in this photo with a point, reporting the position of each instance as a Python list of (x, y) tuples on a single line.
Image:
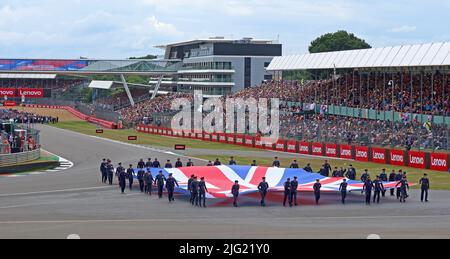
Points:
[(281, 145), (317, 149), (222, 138), (331, 150), (31, 92), (9, 92), (292, 146), (439, 162), (206, 136), (416, 159), (345, 152), (303, 148), (249, 141), (258, 142), (379, 155), (397, 157), (9, 103), (230, 138), (240, 139), (214, 137), (362, 153)]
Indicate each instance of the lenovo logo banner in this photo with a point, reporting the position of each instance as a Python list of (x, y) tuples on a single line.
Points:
[(7, 92), (292, 146), (240, 140), (379, 155), (331, 150), (31, 93), (303, 148), (362, 154), (416, 159), (346, 151), (280, 145), (249, 141), (439, 162), (317, 149), (397, 157)]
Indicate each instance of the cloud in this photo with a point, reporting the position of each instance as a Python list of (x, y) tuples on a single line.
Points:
[(161, 27), (403, 29)]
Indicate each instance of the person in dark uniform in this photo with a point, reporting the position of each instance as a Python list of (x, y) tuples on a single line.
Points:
[(404, 187), (365, 176), (130, 172), (276, 163), (383, 178), (367, 188), (202, 190), (343, 190), (327, 167), (379, 187), (323, 172), (168, 165), (110, 170), (392, 178), (141, 164), (122, 180), (190, 163), (317, 186), (342, 172), (189, 185), (129, 176), (103, 170), (160, 179), (351, 173), (335, 172), (149, 163), (294, 165), (140, 177), (263, 187), (217, 162), (156, 163), (398, 178), (308, 168), (210, 163), (171, 182), (294, 190), (194, 189), (235, 192), (424, 187), (232, 161), (287, 192), (148, 182), (254, 163), (178, 163)]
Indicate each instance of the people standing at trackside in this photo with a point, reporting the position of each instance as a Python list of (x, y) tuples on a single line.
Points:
[(178, 164), (194, 190), (424, 187), (232, 161), (317, 186), (351, 173), (263, 187), (140, 178), (189, 186), (294, 191), (160, 180), (148, 182), (379, 188), (168, 165), (367, 189), (287, 192), (404, 187), (141, 164), (171, 182), (122, 180), (294, 165), (217, 162), (343, 189), (392, 178), (235, 192), (190, 163), (104, 171), (276, 163), (383, 178), (110, 170), (156, 163), (149, 163), (202, 190), (398, 178), (308, 168), (254, 163)]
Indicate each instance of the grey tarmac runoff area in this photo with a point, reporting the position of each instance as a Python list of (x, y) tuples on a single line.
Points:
[(56, 205)]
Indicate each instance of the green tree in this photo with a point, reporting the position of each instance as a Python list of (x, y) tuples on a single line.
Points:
[(337, 41), (150, 56)]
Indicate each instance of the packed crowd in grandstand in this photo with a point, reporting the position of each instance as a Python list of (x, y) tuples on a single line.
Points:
[(25, 117)]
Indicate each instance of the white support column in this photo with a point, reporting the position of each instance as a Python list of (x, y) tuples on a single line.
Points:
[(157, 87), (125, 85)]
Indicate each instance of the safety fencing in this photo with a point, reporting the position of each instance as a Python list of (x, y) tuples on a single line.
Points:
[(414, 159), (18, 158), (91, 119)]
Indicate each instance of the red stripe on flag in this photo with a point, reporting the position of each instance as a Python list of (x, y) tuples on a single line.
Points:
[(260, 172)]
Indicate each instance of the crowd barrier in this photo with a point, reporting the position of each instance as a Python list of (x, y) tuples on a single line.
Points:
[(18, 158), (103, 123), (414, 159)]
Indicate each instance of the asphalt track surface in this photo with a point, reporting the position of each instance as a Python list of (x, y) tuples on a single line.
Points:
[(56, 205)]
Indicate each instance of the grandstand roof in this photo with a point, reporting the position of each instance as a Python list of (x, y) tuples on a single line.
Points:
[(28, 76), (421, 55), (106, 85)]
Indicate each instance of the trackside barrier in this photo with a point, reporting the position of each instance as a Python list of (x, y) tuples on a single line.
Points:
[(103, 123), (415, 159), (18, 158)]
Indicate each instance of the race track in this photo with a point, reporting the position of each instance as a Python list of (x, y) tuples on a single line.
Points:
[(74, 201)]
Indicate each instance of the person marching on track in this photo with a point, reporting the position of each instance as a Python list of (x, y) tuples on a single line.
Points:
[(130, 172), (122, 180), (189, 185), (194, 190), (202, 190), (149, 163), (392, 177), (351, 173), (217, 163), (168, 165), (294, 191), (156, 163), (140, 177), (190, 163), (254, 163), (141, 164), (160, 179), (287, 192), (110, 170), (263, 187), (317, 187), (343, 190), (398, 178), (379, 188), (383, 178), (232, 161), (171, 182), (308, 168), (294, 165), (148, 182), (424, 187), (404, 187), (178, 164), (365, 176), (103, 170), (235, 192), (367, 188), (276, 163)]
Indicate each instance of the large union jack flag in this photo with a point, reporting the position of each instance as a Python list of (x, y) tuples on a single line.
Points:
[(219, 179)]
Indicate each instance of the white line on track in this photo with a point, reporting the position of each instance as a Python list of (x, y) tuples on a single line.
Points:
[(56, 191)]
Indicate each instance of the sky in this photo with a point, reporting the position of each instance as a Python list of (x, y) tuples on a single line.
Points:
[(121, 29)]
